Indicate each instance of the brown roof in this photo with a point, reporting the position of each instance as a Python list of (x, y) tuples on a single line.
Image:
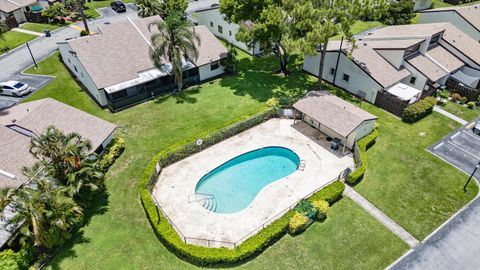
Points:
[(470, 13), (445, 58), (35, 116), (427, 67), (121, 52), (333, 112), (14, 149), (11, 5), (463, 42)]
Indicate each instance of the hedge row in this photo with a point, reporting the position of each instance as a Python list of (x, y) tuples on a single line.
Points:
[(363, 145), (113, 150), (419, 109)]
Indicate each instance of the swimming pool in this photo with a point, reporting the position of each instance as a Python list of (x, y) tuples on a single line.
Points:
[(233, 185)]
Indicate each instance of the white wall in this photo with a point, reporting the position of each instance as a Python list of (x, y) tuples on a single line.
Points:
[(229, 29), (364, 129), (82, 75), (459, 54), (359, 80), (422, 4), (421, 80), (19, 16), (2, 16), (206, 73), (453, 18), (394, 57)]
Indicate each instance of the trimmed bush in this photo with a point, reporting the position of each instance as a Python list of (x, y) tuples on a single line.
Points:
[(322, 207), (84, 33), (419, 109), (463, 100), (331, 193), (15, 260), (297, 223), (112, 152), (363, 144), (455, 97), (273, 102), (471, 104)]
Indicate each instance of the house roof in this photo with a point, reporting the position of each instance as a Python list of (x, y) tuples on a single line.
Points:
[(11, 5), (396, 44), (443, 57), (36, 116), (426, 66), (470, 13), (122, 51), (410, 31), (463, 42), (335, 113)]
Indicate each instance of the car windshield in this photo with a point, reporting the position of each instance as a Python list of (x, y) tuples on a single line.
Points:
[(18, 85)]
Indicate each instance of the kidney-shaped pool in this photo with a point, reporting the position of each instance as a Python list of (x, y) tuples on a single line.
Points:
[(233, 185)]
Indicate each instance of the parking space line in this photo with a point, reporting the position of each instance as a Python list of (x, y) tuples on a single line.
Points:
[(470, 125), (455, 135), (476, 137), (466, 151), (438, 145)]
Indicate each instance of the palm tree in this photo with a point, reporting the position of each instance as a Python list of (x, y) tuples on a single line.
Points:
[(3, 29), (45, 213), (175, 41), (88, 177), (60, 154), (147, 8)]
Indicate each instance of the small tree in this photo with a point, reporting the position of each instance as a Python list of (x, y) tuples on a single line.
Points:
[(399, 12), (55, 11)]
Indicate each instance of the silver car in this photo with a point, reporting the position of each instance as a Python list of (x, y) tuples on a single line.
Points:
[(14, 88), (476, 128)]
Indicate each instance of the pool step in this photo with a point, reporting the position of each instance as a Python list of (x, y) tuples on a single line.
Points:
[(207, 201), (301, 166)]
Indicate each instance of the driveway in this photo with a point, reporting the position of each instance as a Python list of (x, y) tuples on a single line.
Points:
[(457, 244)]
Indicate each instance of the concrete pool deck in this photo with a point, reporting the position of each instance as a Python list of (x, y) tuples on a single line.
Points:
[(176, 184)]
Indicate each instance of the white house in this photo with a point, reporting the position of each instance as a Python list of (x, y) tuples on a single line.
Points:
[(465, 18), (216, 23), (422, 4), (115, 67), (403, 60), (13, 11)]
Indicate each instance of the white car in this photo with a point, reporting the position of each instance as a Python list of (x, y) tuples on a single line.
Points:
[(14, 88), (476, 128)]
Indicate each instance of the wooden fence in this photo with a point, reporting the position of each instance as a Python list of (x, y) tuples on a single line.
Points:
[(390, 103), (11, 22), (470, 93)]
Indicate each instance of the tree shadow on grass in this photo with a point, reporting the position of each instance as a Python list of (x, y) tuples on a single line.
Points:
[(186, 96)]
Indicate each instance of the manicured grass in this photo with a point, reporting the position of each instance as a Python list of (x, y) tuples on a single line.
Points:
[(39, 27), (440, 4), (13, 39), (461, 111), (358, 27), (413, 187)]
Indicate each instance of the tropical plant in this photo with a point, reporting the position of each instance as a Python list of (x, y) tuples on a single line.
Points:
[(55, 11), (4, 192), (147, 8), (3, 29), (175, 41), (44, 212)]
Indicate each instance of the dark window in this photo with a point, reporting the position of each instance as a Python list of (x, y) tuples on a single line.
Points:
[(435, 38), (346, 77), (81, 74), (119, 94), (332, 71), (193, 72), (220, 29), (211, 24), (165, 80), (214, 65), (75, 68), (150, 83), (69, 61), (18, 85), (412, 49), (230, 33), (413, 80)]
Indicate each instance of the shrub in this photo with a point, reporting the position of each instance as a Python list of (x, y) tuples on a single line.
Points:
[(322, 207), (455, 97), (15, 260), (112, 152), (84, 33), (297, 223), (443, 94), (419, 109), (273, 102), (331, 193), (471, 104), (463, 100), (363, 144)]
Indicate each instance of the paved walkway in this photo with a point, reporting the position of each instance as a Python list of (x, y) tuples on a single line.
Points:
[(449, 115), (380, 216), (27, 32)]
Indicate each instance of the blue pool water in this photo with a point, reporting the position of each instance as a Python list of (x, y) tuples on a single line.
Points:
[(236, 183)]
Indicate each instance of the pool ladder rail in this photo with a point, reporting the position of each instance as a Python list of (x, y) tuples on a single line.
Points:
[(301, 165), (207, 200)]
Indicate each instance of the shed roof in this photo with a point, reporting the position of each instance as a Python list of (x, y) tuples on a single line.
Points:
[(335, 113)]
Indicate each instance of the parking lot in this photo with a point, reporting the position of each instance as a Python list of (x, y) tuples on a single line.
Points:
[(460, 148), (36, 82), (107, 12)]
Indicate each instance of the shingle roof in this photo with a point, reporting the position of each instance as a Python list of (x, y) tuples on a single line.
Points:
[(445, 58), (411, 31), (120, 52), (393, 44), (427, 67), (470, 13), (333, 112), (11, 5), (463, 42), (37, 115)]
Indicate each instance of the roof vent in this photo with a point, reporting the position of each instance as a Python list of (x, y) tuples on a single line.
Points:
[(7, 174), (14, 120)]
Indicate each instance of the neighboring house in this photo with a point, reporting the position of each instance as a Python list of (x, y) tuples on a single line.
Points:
[(115, 67), (13, 11), (466, 18), (216, 23), (335, 117), (407, 61), (24, 121), (422, 4)]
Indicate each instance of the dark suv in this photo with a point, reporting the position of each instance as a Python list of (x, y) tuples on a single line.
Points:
[(118, 6)]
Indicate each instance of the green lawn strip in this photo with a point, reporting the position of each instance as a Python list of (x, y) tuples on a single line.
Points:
[(13, 39), (413, 187), (461, 111), (358, 27), (40, 27)]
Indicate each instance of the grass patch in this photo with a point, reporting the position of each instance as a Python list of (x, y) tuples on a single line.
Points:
[(13, 39), (40, 27), (358, 27), (461, 111)]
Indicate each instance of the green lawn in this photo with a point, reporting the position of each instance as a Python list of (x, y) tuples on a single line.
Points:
[(358, 27), (39, 27), (13, 39), (461, 111), (90, 11)]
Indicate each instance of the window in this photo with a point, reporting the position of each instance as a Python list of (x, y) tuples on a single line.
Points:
[(214, 65), (69, 61), (412, 49), (166, 80), (74, 67), (119, 94), (230, 33), (220, 29), (435, 38), (211, 24), (332, 71), (346, 77), (81, 74), (413, 80)]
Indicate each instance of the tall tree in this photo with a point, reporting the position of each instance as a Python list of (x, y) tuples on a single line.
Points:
[(399, 12), (45, 211), (176, 41)]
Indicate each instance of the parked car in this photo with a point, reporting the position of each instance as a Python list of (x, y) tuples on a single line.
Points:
[(118, 6), (14, 88), (476, 128)]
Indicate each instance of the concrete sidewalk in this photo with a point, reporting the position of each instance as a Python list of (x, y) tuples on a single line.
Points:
[(27, 32), (449, 115)]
